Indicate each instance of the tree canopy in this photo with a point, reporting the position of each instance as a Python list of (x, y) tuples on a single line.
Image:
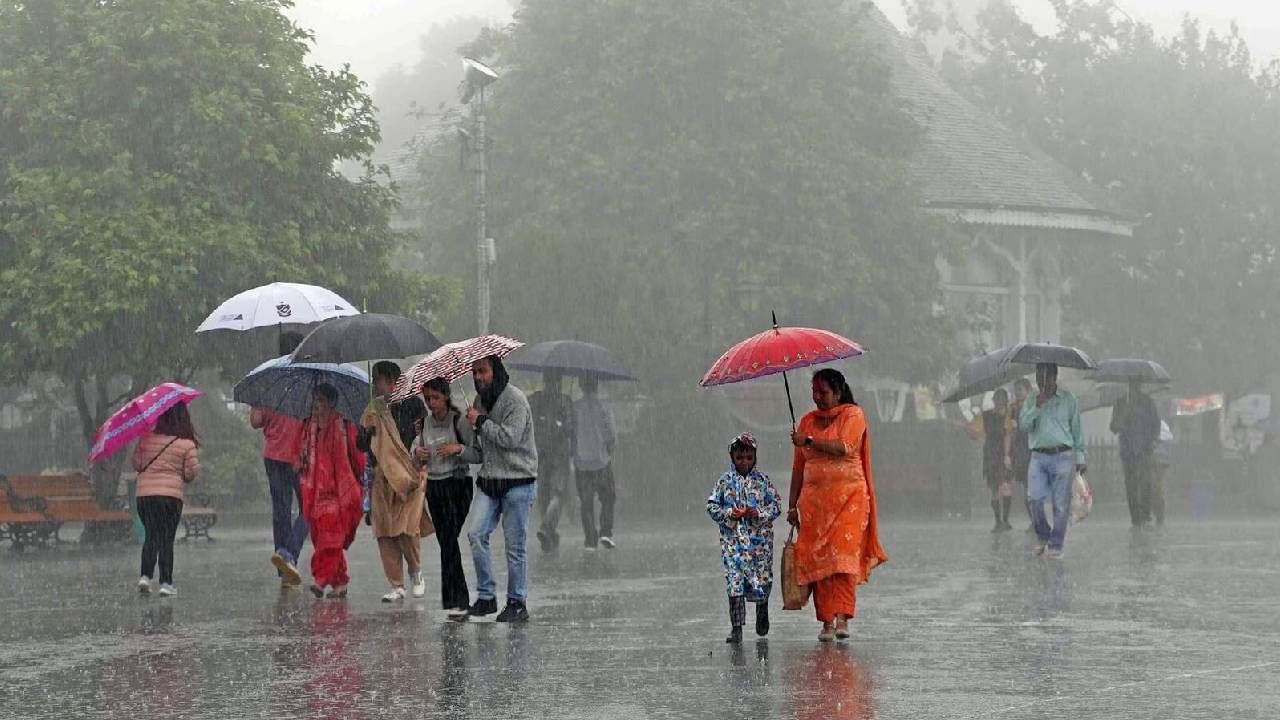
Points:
[(1181, 133), (665, 173), (158, 157)]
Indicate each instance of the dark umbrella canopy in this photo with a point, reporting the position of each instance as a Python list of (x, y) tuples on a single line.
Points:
[(570, 357), (986, 373), (1124, 370), (1049, 353), (286, 387), (371, 336)]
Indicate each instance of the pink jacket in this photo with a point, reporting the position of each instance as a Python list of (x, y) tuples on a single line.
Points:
[(174, 465)]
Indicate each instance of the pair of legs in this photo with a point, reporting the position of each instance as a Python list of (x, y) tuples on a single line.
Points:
[(738, 614), (835, 600), (1138, 487), (397, 553), (288, 532), (593, 483), (449, 500), (1049, 478), (512, 511), (553, 496), (160, 517), (1001, 500)]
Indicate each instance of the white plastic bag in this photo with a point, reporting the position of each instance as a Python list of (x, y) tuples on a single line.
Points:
[(1081, 498)]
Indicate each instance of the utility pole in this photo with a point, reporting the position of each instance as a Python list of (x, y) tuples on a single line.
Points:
[(479, 76)]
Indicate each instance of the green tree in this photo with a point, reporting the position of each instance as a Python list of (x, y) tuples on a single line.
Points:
[(665, 173), (1181, 133), (157, 157)]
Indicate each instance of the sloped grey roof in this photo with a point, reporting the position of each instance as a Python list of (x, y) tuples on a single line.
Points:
[(968, 159)]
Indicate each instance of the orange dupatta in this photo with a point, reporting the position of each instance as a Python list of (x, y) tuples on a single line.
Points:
[(838, 531)]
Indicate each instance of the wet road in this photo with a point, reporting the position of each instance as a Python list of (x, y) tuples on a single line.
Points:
[(1180, 623)]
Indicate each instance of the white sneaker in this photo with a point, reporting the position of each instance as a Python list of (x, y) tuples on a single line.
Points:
[(396, 595), (608, 542), (144, 585), (167, 590), (457, 613), (1055, 553), (419, 586), (1038, 550)]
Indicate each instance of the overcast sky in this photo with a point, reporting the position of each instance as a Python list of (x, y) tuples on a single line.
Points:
[(373, 35)]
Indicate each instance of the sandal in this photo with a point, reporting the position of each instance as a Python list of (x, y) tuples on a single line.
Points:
[(316, 590), (842, 630), (828, 633), (337, 593)]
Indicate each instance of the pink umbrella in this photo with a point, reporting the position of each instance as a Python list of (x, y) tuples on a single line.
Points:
[(452, 361), (137, 417)]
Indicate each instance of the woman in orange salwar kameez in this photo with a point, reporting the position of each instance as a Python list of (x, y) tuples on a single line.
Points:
[(833, 503), (331, 494)]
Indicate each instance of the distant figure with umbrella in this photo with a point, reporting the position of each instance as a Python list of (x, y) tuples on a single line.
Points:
[(997, 457), (1136, 422), (329, 464), (397, 494), (281, 434), (833, 503), (1051, 420), (553, 425), (594, 438)]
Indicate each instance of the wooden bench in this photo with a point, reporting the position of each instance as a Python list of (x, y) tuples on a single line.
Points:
[(198, 516), (22, 519), (70, 499)]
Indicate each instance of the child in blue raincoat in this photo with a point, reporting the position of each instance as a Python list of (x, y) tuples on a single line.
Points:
[(744, 503)]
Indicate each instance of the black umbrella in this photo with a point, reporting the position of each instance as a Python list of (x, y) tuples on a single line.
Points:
[(986, 373), (570, 357), (365, 337), (1124, 370), (1049, 353)]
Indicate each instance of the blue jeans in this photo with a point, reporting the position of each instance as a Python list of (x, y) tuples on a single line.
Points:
[(1049, 478), (513, 510), (288, 532)]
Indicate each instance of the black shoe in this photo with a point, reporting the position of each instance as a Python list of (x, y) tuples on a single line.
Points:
[(544, 540), (762, 619), (515, 611), (483, 606), (735, 635)]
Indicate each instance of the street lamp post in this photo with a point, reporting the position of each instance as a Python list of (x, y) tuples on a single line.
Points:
[(478, 77)]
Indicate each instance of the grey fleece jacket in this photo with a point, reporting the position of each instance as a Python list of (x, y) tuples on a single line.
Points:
[(507, 447)]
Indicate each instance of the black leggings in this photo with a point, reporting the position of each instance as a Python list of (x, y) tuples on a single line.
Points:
[(160, 517), (448, 501)]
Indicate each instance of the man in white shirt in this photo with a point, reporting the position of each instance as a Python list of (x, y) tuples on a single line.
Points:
[(593, 441)]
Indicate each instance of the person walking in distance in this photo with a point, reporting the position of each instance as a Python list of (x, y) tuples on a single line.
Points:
[(1136, 422), (997, 460), (594, 438), (166, 459), (553, 425), (1051, 420), (503, 426), (1021, 450)]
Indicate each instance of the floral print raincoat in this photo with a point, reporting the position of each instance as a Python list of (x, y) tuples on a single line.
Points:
[(746, 544)]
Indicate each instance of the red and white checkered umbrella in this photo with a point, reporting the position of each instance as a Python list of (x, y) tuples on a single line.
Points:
[(452, 361)]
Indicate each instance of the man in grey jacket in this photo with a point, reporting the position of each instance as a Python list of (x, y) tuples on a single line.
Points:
[(503, 426)]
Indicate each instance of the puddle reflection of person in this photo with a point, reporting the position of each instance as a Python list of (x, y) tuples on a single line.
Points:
[(333, 689), (830, 682)]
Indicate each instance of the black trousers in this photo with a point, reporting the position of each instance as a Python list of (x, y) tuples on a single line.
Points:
[(449, 501), (593, 483), (1137, 488), (160, 517)]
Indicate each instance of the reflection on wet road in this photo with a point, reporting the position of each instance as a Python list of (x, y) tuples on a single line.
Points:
[(1178, 623)]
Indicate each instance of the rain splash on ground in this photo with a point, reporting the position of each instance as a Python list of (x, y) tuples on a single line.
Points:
[(1180, 623)]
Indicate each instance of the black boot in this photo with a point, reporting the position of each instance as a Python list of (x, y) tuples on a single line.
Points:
[(995, 508), (1005, 502), (762, 618), (735, 635), (737, 616)]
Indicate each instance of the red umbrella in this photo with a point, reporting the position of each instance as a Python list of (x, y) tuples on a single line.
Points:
[(777, 351)]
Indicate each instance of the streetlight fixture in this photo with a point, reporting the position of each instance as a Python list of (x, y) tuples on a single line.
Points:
[(478, 77)]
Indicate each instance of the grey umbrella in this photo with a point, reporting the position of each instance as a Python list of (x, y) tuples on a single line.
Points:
[(986, 373), (1124, 370), (1049, 353), (365, 337), (570, 357)]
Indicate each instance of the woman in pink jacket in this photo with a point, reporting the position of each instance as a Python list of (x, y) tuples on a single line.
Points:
[(166, 459)]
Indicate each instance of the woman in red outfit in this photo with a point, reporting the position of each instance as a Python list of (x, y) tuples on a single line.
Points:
[(328, 468)]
